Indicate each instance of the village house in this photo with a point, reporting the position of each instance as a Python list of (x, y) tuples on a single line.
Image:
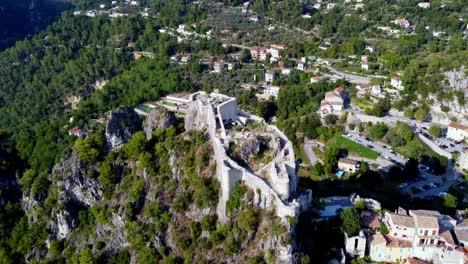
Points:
[(371, 49), (461, 231), (76, 132), (362, 88), (389, 249), (371, 221), (286, 71), (457, 132), (270, 76), (356, 245), (258, 53), (219, 66), (335, 100), (401, 22), (272, 90), (301, 66), (331, 6), (316, 79), (419, 234), (253, 18), (438, 33), (185, 59), (397, 83), (359, 6), (249, 86), (275, 52), (424, 5), (348, 165), (365, 65)]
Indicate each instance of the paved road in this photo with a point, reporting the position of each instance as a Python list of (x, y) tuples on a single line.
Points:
[(349, 77), (308, 145)]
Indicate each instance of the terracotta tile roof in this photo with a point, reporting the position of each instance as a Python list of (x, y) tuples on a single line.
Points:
[(402, 220), (446, 235), (348, 161), (461, 232), (425, 213), (339, 89), (377, 239), (399, 243), (458, 126), (426, 221), (370, 219), (412, 260), (463, 223)]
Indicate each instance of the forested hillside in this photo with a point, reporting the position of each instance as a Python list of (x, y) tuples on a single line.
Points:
[(22, 18)]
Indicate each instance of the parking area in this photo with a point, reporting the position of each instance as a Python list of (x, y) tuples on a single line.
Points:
[(384, 150), (443, 142), (428, 185)]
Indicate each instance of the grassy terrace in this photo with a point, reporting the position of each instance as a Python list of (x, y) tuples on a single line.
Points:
[(414, 147), (144, 108), (352, 147)]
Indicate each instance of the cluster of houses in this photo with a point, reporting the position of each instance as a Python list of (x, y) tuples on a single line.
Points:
[(115, 9), (261, 53), (422, 235)]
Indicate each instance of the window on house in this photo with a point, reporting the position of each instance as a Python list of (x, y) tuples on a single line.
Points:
[(426, 232), (355, 243), (404, 235), (421, 241), (394, 234), (401, 250), (432, 242), (389, 256), (433, 232)]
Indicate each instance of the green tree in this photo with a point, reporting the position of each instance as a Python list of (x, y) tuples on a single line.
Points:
[(450, 201), (378, 131), (330, 160), (420, 114), (409, 112), (248, 220), (85, 150), (384, 229), (350, 221), (330, 120), (435, 131)]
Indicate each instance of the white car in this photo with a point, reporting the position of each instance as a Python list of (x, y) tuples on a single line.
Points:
[(442, 194)]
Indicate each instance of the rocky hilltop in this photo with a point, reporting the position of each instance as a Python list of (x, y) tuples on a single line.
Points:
[(149, 193)]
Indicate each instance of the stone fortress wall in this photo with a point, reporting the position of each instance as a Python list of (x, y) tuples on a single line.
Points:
[(212, 112)]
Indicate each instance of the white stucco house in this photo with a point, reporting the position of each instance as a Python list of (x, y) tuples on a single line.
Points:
[(457, 132), (397, 83)]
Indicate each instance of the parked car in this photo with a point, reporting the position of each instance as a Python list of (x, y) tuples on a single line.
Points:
[(370, 146), (442, 194)]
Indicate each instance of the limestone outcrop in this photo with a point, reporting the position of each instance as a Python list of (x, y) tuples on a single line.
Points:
[(121, 126), (78, 187), (158, 118)]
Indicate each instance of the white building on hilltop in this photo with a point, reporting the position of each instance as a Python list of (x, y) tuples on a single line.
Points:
[(457, 132)]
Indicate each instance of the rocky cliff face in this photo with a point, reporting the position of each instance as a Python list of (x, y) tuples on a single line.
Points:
[(77, 185), (123, 123), (158, 118), (193, 117)]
